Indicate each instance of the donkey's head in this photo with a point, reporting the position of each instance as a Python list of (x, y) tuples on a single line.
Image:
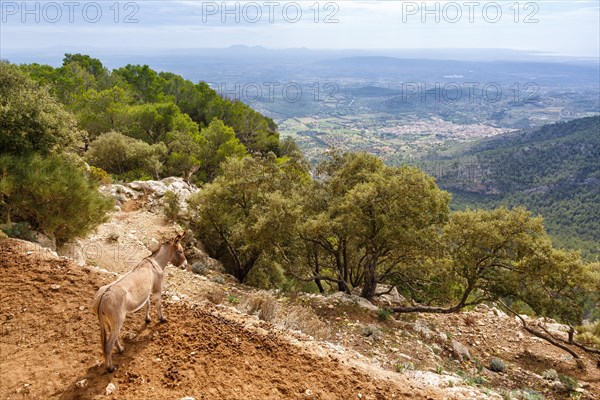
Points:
[(176, 255)]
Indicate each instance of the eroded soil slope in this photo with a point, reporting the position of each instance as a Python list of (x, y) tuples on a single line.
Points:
[(49, 347)]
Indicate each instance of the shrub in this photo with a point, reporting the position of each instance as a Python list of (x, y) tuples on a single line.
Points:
[(589, 334), (53, 194), (232, 299), (171, 205), (550, 375), (569, 382), (19, 230), (99, 175), (121, 155), (497, 365), (371, 331), (216, 295), (384, 314), (31, 119), (199, 268), (406, 366), (113, 237), (304, 319), (264, 305)]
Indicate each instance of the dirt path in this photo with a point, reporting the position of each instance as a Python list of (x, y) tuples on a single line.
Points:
[(49, 344)]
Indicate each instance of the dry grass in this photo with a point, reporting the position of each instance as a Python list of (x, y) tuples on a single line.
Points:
[(264, 305), (305, 320), (469, 320), (215, 295)]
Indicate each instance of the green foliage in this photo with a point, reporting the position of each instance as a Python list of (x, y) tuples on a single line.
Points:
[(103, 111), (569, 382), (160, 108), (589, 334), (553, 171), (220, 143), (99, 175), (366, 222), (31, 120), (232, 299), (51, 193), (248, 213), (151, 122), (550, 375), (19, 230), (384, 314), (119, 154), (403, 367), (171, 205)]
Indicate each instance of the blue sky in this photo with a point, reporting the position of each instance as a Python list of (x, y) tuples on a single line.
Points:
[(570, 28)]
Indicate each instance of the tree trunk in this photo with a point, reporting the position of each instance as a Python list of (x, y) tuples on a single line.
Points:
[(370, 283)]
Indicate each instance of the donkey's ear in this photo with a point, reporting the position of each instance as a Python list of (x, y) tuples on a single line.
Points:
[(179, 237)]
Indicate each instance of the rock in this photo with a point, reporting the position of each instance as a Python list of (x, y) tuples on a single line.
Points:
[(353, 299), (391, 298), (499, 313), (82, 383), (54, 287), (110, 388), (44, 240), (74, 251), (308, 392), (187, 398), (461, 350), (421, 327)]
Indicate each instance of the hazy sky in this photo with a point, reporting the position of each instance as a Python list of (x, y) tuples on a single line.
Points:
[(560, 27)]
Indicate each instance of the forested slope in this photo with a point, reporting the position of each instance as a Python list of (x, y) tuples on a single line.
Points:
[(553, 171)]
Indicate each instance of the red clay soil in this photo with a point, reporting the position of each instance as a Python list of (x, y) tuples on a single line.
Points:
[(49, 341)]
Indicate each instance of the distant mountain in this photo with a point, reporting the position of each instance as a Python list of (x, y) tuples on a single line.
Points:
[(553, 170)]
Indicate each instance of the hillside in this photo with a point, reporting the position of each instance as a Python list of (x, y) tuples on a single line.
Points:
[(49, 347), (215, 346), (553, 171)]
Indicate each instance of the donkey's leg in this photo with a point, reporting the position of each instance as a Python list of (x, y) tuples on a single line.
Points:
[(110, 343), (157, 298), (147, 309), (120, 346)]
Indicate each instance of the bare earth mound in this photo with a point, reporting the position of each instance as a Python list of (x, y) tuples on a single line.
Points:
[(49, 347)]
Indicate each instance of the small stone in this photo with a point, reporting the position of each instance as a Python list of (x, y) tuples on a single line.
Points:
[(110, 388), (359, 395), (187, 398), (308, 392), (82, 383), (54, 287), (175, 298), (81, 308)]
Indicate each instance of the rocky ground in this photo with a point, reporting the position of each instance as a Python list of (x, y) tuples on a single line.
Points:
[(227, 341)]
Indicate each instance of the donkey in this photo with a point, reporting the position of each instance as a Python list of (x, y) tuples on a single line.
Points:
[(132, 292)]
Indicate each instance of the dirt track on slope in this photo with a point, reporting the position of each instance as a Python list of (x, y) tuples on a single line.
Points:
[(49, 342)]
